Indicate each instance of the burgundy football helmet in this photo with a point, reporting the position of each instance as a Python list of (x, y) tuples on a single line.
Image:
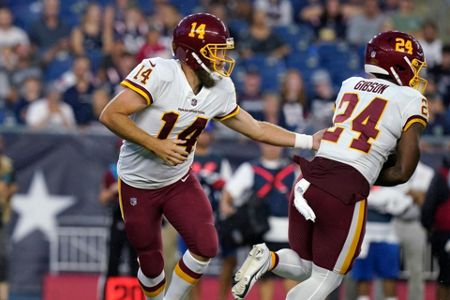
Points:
[(397, 55), (201, 41)]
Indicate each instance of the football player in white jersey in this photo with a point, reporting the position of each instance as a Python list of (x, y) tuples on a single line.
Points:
[(164, 107), (374, 118)]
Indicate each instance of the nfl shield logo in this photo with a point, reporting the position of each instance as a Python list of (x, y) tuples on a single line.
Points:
[(133, 201), (194, 102)]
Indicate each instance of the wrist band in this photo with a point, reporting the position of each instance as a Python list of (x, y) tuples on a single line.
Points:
[(303, 141)]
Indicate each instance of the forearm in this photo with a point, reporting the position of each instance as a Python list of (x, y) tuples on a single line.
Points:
[(391, 176), (106, 195), (125, 128), (274, 135), (278, 136)]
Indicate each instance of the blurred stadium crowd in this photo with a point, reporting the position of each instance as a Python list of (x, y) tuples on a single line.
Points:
[(62, 61)]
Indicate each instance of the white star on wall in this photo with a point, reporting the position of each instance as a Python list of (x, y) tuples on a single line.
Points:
[(38, 209)]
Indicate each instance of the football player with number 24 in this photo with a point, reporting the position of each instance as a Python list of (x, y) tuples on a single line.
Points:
[(374, 118)]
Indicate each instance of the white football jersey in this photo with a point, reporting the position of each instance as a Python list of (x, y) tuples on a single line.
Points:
[(173, 111), (370, 116)]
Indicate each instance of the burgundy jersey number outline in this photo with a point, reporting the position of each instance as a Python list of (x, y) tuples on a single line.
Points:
[(189, 134), (365, 123)]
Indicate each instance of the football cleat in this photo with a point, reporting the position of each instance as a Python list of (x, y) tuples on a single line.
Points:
[(255, 265)]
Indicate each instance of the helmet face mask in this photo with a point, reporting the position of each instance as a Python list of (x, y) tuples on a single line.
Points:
[(399, 56), (202, 41), (220, 62), (417, 82)]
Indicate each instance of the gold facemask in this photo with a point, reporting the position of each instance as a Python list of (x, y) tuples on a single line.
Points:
[(418, 82), (223, 64)]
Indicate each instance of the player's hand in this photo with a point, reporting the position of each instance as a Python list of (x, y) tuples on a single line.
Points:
[(226, 209), (300, 202), (447, 246), (114, 189), (317, 138), (171, 151)]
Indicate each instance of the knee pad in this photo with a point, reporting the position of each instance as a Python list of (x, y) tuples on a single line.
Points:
[(151, 262), (206, 243)]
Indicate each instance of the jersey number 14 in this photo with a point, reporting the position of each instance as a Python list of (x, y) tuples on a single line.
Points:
[(190, 134)]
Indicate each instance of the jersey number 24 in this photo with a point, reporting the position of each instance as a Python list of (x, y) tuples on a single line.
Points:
[(365, 123)]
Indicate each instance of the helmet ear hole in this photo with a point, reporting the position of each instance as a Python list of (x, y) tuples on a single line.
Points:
[(400, 68), (181, 53)]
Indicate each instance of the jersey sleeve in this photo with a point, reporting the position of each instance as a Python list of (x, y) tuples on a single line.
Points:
[(230, 108), (143, 79), (415, 112)]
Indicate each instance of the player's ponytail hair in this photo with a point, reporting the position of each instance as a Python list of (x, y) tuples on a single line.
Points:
[(205, 78)]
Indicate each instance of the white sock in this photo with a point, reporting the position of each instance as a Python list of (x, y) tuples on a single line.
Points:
[(291, 266), (363, 298), (318, 286), (185, 275), (153, 288), (390, 298)]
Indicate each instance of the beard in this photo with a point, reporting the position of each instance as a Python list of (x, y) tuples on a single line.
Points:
[(205, 78)]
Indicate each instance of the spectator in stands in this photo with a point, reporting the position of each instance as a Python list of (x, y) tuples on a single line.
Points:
[(250, 96), (435, 218), (327, 21), (438, 124), (167, 17), (363, 26), (115, 68), (24, 67), (441, 75), (7, 189), (10, 35), (130, 36), (7, 61), (153, 45), (50, 112), (431, 43), (7, 114), (271, 109), (80, 71), (91, 37), (279, 12), (49, 34), (323, 99), (412, 236), (29, 92), (380, 250), (270, 178), (390, 6), (310, 11), (241, 10), (293, 100), (219, 10), (259, 39), (115, 13), (79, 95), (118, 242), (406, 18)]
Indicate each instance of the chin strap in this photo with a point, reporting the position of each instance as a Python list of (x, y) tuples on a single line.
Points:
[(214, 75), (396, 76)]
